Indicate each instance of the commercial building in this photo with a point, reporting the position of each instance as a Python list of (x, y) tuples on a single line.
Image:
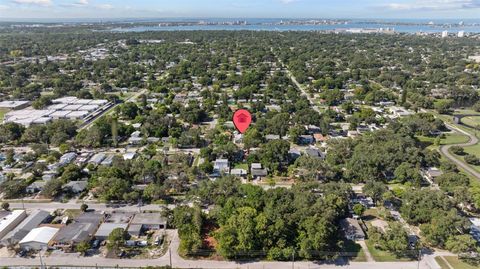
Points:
[(82, 229), (62, 108), (38, 238), (10, 220), (14, 105), (32, 221), (146, 221)]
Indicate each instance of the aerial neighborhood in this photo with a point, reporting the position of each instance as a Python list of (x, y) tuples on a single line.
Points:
[(120, 146)]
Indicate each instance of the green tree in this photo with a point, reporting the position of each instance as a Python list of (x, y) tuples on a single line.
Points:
[(375, 190), (116, 239), (5, 206), (358, 209), (84, 207), (82, 247), (461, 244)]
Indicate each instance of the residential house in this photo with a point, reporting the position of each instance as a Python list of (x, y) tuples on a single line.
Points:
[(221, 166), (257, 171), (315, 152), (306, 139), (238, 173), (352, 230), (35, 187), (431, 173), (146, 221), (76, 186)]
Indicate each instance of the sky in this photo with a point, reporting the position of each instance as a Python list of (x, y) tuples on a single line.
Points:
[(105, 9)]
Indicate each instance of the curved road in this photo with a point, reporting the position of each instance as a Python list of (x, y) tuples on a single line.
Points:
[(445, 151)]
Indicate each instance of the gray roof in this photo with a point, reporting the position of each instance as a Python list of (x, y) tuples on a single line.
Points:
[(31, 222), (83, 228), (149, 219), (351, 227), (106, 228), (76, 186)]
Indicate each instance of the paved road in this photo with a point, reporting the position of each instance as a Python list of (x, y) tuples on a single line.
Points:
[(299, 86), (179, 262), (100, 207), (445, 150)]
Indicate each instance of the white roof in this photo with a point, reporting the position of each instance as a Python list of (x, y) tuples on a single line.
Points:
[(12, 104), (72, 107), (65, 100), (83, 101), (88, 107), (57, 106), (12, 217), (41, 235), (98, 102)]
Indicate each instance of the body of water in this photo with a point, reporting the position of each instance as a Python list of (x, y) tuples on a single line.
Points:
[(401, 26)]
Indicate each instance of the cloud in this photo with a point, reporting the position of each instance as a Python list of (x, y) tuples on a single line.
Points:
[(288, 1), (34, 2), (4, 7), (104, 6), (81, 3), (432, 5)]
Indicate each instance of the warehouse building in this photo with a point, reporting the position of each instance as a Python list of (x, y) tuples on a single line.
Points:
[(14, 105), (33, 221), (10, 220), (63, 108), (82, 229), (38, 238)]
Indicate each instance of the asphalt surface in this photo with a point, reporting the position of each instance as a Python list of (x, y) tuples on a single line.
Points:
[(98, 207)]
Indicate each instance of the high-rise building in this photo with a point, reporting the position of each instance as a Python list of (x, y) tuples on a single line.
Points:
[(444, 34), (461, 34)]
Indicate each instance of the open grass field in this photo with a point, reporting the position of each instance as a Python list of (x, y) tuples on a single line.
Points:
[(3, 111), (472, 121), (474, 150), (450, 139), (455, 263), (384, 256)]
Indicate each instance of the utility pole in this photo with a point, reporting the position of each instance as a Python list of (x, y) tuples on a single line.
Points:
[(170, 256), (41, 261), (293, 260), (419, 258)]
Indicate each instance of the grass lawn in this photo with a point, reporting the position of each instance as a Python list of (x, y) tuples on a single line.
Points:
[(458, 264), (73, 213), (442, 263), (471, 121), (354, 251), (383, 256), (3, 111), (241, 166), (474, 150), (450, 138)]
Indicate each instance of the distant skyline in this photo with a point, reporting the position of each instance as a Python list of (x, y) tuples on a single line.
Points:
[(110, 9)]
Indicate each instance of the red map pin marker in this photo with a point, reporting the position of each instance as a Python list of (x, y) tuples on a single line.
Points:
[(242, 119)]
